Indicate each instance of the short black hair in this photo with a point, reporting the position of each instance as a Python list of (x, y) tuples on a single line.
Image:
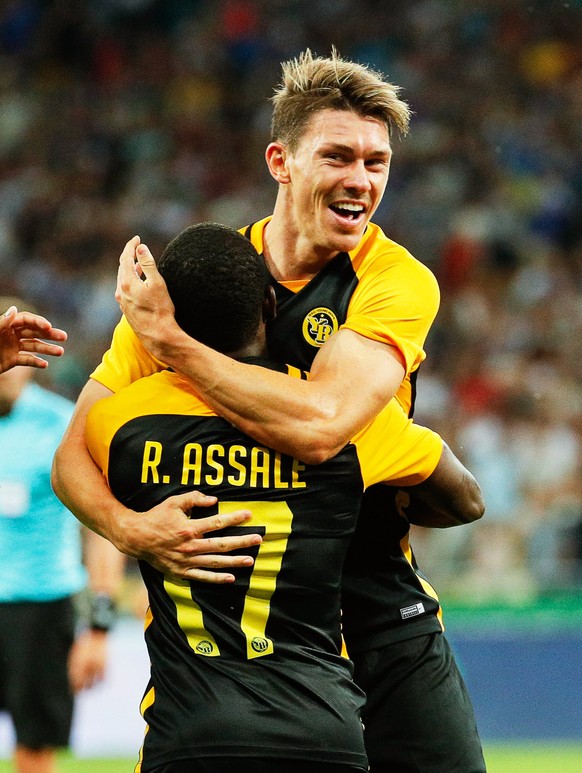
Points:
[(216, 280)]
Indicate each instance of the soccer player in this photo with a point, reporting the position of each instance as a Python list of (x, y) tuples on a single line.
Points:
[(247, 677), (354, 308), (20, 334)]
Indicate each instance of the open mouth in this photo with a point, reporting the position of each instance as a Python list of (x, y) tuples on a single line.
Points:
[(348, 211)]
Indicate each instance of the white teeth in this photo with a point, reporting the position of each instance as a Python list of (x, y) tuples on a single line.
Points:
[(350, 207)]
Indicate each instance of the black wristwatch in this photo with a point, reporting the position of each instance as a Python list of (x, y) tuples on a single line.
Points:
[(102, 612)]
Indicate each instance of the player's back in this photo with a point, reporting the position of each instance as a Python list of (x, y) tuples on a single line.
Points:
[(251, 669)]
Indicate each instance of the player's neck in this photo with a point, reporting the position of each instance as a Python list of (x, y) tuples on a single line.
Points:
[(257, 347), (288, 254)]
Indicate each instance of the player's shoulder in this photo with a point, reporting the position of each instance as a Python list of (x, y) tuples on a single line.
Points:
[(255, 233), (377, 248), (164, 392), (378, 255)]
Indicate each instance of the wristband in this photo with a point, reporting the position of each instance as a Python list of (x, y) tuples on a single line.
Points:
[(102, 612)]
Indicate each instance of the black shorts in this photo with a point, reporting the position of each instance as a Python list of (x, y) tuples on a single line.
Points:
[(418, 717), (35, 640), (253, 765)]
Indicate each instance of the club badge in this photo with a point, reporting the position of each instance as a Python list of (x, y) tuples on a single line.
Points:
[(318, 325)]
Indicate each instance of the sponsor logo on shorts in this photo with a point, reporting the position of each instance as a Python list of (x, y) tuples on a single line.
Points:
[(413, 611)]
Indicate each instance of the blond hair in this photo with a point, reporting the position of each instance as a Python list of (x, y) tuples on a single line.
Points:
[(310, 84)]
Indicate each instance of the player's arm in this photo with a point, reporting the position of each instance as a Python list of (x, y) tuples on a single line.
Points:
[(164, 535), (105, 569), (435, 488), (450, 496), (351, 380), (20, 339)]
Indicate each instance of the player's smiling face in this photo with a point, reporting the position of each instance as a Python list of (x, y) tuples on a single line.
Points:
[(338, 175)]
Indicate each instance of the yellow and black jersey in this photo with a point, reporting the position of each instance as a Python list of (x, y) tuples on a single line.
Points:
[(224, 658), (378, 290), (382, 292)]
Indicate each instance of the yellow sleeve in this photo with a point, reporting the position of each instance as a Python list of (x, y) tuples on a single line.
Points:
[(126, 360), (161, 393), (396, 300), (107, 415), (392, 449)]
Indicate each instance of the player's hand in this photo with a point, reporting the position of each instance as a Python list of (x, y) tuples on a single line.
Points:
[(143, 297), (87, 660), (20, 339), (184, 548)]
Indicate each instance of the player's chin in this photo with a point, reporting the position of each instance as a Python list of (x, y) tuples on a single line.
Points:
[(346, 242)]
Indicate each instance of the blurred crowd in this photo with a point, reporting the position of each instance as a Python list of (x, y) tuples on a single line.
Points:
[(123, 117)]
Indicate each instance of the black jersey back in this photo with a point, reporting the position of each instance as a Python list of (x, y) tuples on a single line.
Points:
[(384, 597), (255, 668)]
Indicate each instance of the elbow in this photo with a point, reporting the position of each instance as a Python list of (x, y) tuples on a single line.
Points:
[(479, 509), (317, 438), (474, 508), (316, 452), (315, 455), (55, 477), (319, 447), (472, 513), (319, 450), (59, 472)]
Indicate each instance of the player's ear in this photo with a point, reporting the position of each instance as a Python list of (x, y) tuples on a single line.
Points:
[(276, 156), (269, 304)]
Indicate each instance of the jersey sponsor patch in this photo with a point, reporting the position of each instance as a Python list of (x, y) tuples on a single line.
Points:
[(413, 611), (318, 325)]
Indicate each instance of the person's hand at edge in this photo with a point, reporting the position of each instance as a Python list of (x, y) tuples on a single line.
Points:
[(20, 339), (87, 660), (143, 297)]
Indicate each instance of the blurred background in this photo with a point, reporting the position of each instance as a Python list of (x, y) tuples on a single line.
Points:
[(120, 117)]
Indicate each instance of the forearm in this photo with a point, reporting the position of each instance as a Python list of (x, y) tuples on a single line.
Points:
[(311, 420), (283, 413), (352, 377), (430, 514), (105, 565)]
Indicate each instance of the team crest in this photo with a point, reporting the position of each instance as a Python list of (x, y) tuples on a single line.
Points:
[(318, 325)]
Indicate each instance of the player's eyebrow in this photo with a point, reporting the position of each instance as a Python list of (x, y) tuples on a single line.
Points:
[(345, 149)]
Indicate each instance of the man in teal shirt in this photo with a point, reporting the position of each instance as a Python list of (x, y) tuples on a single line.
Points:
[(41, 570)]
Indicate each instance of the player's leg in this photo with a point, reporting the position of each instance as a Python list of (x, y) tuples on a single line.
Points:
[(418, 717), (36, 687), (34, 760)]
